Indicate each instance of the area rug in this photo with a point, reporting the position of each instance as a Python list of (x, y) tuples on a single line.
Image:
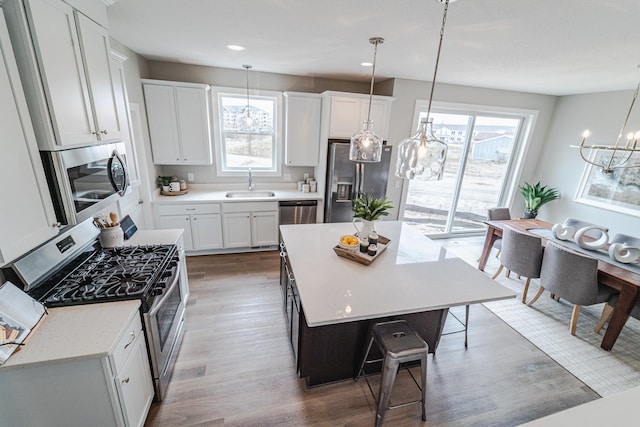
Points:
[(546, 325)]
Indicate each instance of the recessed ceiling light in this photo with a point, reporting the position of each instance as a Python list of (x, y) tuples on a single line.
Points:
[(235, 47), (366, 64)]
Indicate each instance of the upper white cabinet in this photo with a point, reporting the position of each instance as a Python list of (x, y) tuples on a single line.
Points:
[(348, 112), (179, 122), (64, 60), (302, 128), (28, 218)]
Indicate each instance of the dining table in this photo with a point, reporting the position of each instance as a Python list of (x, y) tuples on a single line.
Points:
[(624, 280)]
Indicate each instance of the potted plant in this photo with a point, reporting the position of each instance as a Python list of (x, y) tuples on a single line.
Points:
[(535, 196), (164, 181), (369, 208)]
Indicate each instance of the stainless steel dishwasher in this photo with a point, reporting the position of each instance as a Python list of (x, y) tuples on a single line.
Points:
[(298, 211)]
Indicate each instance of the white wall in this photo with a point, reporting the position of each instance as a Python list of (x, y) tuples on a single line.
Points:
[(561, 166)]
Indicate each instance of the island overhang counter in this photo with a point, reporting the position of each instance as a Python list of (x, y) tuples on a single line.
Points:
[(331, 302)]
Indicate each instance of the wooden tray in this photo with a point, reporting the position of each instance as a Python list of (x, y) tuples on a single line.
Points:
[(173, 193), (360, 257)]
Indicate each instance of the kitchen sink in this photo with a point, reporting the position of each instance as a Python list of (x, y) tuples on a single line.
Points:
[(249, 194)]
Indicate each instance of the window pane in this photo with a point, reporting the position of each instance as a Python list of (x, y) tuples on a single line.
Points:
[(242, 148)]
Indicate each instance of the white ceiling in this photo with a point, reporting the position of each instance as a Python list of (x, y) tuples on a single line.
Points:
[(555, 47)]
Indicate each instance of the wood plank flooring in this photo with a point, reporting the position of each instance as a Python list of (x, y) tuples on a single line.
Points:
[(235, 366)]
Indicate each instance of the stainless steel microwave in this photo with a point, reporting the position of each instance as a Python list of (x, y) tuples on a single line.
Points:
[(83, 181)]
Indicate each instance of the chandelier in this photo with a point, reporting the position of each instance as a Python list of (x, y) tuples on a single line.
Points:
[(244, 122), (615, 156), (423, 155), (366, 146)]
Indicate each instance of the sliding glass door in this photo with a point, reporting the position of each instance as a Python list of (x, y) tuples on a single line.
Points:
[(480, 151)]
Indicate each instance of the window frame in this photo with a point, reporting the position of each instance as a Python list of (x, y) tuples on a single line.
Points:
[(221, 170)]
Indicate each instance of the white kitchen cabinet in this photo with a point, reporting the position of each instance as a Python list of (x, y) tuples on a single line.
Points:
[(64, 60), (179, 122), (28, 218), (348, 112), (249, 224), (302, 128), (83, 366), (202, 224)]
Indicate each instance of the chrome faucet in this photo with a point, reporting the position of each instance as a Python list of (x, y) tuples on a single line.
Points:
[(250, 180)]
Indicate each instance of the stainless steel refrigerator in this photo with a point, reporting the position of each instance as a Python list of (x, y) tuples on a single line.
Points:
[(346, 178)]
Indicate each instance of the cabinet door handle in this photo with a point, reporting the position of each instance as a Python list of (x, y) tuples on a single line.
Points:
[(132, 338), (125, 381), (103, 132), (190, 209)]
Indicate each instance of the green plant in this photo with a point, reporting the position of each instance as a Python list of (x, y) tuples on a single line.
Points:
[(370, 208), (165, 180), (537, 195)]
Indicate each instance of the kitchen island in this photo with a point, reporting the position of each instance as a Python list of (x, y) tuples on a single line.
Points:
[(332, 302)]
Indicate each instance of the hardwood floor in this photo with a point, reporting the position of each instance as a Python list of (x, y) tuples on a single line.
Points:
[(235, 366)]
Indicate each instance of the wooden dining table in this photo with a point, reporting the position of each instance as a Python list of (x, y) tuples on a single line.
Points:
[(625, 281)]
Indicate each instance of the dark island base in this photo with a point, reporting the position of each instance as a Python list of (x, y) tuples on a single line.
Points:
[(331, 353)]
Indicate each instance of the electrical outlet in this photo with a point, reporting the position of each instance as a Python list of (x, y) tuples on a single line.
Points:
[(287, 177), (190, 177)]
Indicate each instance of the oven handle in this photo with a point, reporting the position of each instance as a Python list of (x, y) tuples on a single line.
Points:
[(157, 304)]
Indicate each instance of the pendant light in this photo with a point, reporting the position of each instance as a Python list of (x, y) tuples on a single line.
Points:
[(423, 155), (244, 122), (619, 153), (366, 146)]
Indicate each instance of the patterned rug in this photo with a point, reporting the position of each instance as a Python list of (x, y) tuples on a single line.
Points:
[(546, 325)]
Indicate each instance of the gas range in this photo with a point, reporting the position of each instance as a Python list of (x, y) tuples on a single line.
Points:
[(136, 272), (91, 274), (73, 269)]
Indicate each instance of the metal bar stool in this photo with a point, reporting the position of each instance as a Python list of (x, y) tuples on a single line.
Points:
[(399, 344)]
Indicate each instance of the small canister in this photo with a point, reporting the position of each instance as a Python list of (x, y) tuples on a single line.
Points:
[(372, 249), (373, 237), (183, 185), (313, 186), (300, 184), (364, 245), (305, 188)]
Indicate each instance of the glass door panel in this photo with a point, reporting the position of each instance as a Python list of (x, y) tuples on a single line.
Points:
[(485, 169), (480, 149)]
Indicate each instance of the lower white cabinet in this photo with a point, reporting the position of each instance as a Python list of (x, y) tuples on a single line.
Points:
[(85, 366), (250, 224), (201, 223)]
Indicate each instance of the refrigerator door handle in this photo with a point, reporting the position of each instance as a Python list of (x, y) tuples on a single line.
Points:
[(356, 188)]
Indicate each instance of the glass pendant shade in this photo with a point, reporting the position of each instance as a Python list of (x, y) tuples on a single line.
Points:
[(422, 156), (244, 121), (365, 146)]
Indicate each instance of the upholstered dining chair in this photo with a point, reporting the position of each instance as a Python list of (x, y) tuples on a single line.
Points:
[(496, 214), (573, 277), (522, 254)]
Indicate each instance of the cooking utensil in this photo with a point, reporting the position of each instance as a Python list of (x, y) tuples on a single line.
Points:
[(114, 218)]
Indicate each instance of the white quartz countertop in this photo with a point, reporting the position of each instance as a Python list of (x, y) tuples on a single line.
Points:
[(413, 274), (75, 332), (201, 193)]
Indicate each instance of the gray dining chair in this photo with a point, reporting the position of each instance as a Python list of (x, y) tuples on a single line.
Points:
[(496, 214), (573, 277), (522, 254)]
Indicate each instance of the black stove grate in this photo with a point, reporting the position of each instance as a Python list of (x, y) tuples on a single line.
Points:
[(110, 274)]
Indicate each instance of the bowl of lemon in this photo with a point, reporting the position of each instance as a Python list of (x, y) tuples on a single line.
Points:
[(349, 242)]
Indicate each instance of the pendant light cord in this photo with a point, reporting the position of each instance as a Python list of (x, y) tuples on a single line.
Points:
[(375, 41), (247, 67), (435, 71)]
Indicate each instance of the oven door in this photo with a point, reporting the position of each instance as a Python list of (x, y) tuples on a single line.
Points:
[(164, 324), (83, 181)]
